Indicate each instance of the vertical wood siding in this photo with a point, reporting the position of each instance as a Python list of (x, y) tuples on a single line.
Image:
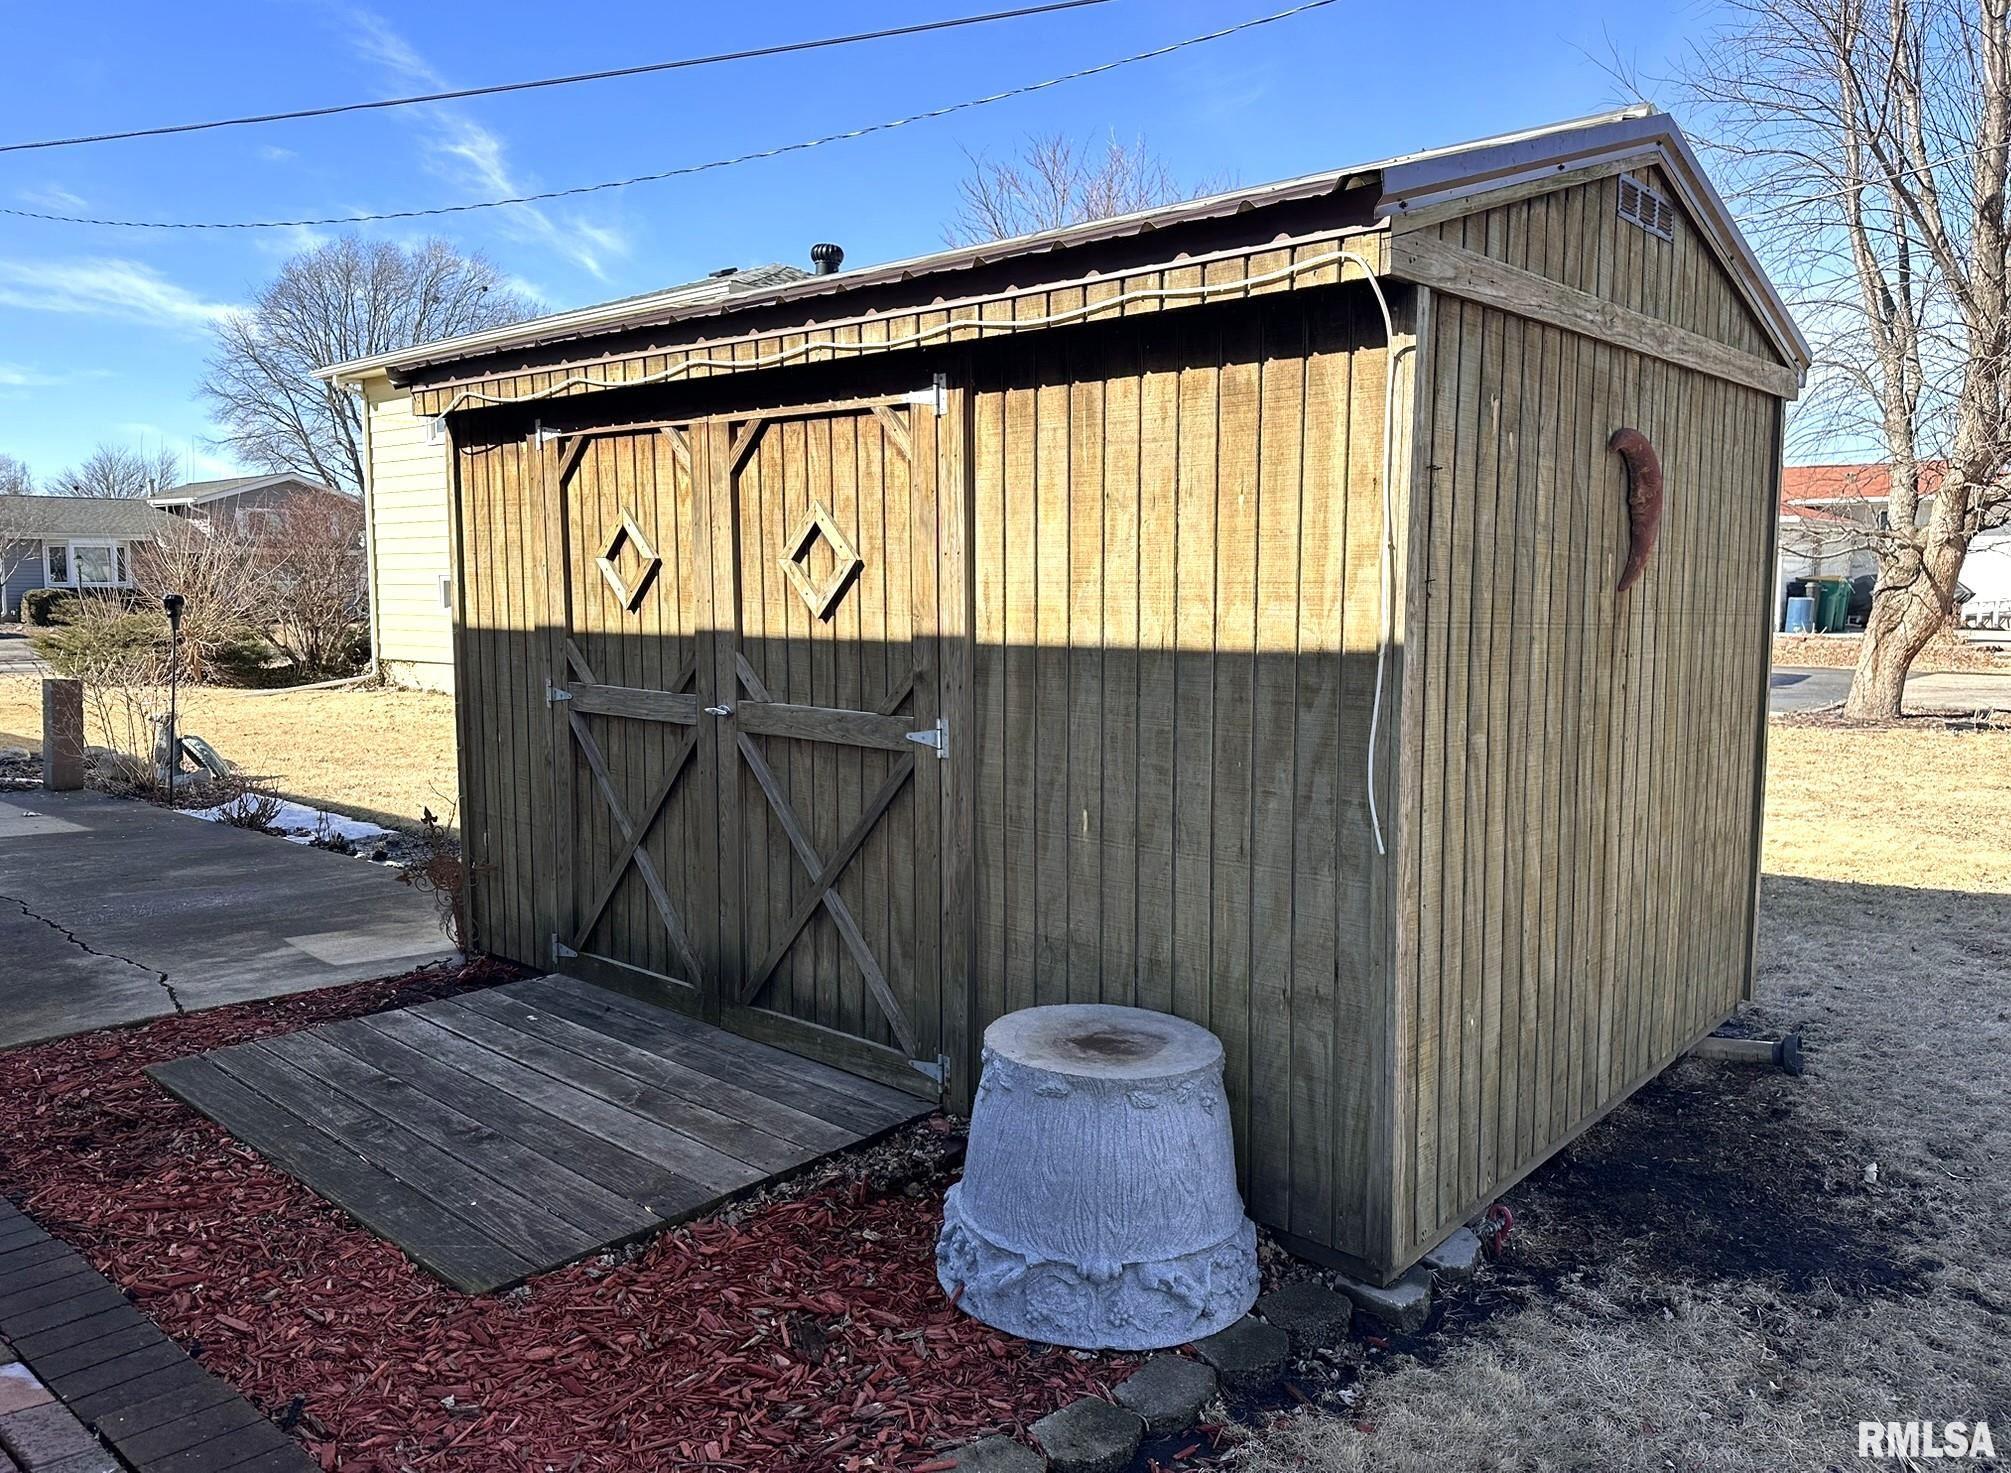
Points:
[(504, 655), (1175, 572), (1578, 823)]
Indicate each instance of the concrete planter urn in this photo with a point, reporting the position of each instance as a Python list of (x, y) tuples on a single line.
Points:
[(1098, 1207)]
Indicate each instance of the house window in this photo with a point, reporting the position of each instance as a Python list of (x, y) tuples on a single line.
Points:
[(87, 565)]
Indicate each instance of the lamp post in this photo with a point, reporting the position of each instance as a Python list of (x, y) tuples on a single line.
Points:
[(173, 603)]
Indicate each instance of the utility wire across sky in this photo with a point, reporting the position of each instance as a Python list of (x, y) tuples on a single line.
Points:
[(361, 217), (782, 48)]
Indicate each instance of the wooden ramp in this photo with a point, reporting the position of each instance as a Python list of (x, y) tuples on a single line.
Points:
[(501, 1133)]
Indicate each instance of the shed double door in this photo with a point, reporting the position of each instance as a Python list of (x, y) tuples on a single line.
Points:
[(751, 785)]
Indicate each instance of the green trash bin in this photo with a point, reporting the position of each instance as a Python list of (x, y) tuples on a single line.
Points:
[(1832, 605)]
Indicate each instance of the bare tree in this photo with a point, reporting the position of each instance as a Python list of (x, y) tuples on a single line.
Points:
[(114, 470), (16, 547), (1872, 139), (347, 299), (1054, 181)]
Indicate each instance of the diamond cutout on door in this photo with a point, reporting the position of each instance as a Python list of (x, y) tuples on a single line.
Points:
[(845, 562), (628, 537)]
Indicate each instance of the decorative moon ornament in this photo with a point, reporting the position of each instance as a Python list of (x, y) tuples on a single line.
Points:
[(1644, 501)]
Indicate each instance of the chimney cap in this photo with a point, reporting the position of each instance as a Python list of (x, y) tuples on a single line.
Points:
[(827, 257)]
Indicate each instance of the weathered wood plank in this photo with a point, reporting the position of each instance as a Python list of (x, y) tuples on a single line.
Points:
[(446, 1244)]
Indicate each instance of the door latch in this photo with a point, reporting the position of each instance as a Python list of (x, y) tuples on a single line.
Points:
[(719, 710), (937, 738)]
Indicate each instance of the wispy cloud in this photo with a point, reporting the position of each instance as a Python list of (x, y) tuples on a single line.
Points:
[(293, 240), (475, 158), (107, 286), (272, 153), (52, 197), (21, 376)]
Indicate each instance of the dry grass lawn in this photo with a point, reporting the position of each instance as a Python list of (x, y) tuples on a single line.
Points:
[(1773, 1293), (380, 754)]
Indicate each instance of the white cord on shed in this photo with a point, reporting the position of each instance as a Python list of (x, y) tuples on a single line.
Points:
[(1386, 552)]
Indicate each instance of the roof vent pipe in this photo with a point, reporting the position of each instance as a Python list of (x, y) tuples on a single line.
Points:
[(826, 257)]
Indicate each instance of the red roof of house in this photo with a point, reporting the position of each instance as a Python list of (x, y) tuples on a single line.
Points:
[(1804, 484)]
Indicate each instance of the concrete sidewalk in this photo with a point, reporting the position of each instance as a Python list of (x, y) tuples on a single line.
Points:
[(17, 656), (114, 911), (1809, 687)]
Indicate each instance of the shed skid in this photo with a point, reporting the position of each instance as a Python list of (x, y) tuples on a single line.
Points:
[(853, 664)]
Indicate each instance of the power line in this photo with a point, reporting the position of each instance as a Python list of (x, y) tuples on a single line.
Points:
[(784, 48), (686, 169)]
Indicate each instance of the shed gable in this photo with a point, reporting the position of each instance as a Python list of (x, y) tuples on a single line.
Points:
[(1582, 234)]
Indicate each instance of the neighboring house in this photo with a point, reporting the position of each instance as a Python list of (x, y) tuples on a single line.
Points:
[(80, 542), (244, 504), (405, 488), (1830, 516)]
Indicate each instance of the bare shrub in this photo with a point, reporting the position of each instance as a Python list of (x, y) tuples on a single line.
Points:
[(253, 808), (441, 872), (120, 654), (228, 593)]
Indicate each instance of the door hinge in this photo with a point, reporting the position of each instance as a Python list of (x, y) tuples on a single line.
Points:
[(543, 436), (937, 1069), (561, 951), (936, 737), (936, 397), (556, 693)]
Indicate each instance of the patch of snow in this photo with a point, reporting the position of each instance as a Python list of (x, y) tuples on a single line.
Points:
[(299, 823)]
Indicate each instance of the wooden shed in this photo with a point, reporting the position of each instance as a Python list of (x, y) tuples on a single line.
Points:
[(1140, 613)]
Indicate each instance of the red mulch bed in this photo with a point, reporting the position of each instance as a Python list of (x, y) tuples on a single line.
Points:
[(808, 1334)]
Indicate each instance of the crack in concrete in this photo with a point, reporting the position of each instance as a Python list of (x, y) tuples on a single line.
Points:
[(82, 945)]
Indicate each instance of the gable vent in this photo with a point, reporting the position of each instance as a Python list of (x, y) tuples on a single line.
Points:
[(1646, 208)]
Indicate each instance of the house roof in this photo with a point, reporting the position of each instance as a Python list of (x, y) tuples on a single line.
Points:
[(1807, 486), (78, 516), (1402, 184), (197, 493), (746, 281)]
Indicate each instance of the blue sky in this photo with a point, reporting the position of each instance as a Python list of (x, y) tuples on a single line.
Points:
[(103, 330)]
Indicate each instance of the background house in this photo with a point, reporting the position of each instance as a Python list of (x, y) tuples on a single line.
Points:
[(1831, 514), (242, 504), (405, 488), (80, 542)]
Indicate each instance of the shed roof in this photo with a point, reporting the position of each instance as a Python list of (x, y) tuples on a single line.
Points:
[(79, 516), (1399, 185), (719, 286)]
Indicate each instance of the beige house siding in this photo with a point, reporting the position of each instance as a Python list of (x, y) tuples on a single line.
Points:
[(409, 549)]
